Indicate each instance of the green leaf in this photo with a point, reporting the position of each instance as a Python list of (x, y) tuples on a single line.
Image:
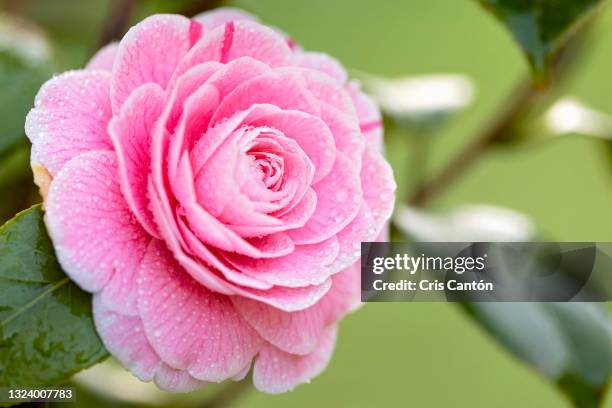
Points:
[(25, 63), (542, 27), (568, 343), (46, 326)]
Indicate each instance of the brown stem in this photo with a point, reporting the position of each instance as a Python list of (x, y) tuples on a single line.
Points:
[(199, 6), (229, 394), (15, 6), (117, 22), (524, 98)]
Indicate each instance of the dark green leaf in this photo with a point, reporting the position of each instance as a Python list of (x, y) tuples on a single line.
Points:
[(541, 27), (46, 327), (25, 63), (569, 343)]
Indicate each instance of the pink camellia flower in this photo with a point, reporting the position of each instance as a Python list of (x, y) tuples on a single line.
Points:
[(211, 184)]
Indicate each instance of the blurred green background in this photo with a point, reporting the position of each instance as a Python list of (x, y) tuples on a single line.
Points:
[(424, 355)]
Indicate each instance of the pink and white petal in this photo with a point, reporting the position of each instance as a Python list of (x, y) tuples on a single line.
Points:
[(104, 59), (283, 91), (336, 204), (235, 73), (325, 88), (184, 87), (204, 254), (361, 229), (198, 109), (378, 186), (299, 332), (347, 135), (306, 265), (344, 295), (276, 371), (370, 119), (242, 375), (292, 219), (131, 133), (323, 63), (149, 52), (123, 336), (292, 332), (239, 209), (288, 299), (190, 327), (207, 146), (219, 16), (121, 292), (212, 232), (173, 380), (236, 39), (310, 132), (70, 116), (93, 230), (283, 298)]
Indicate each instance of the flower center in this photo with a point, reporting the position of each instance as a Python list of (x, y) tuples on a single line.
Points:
[(268, 167)]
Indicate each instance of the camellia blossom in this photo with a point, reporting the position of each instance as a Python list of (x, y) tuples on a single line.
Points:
[(211, 183)]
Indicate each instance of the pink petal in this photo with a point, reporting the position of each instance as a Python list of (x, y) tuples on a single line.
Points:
[(190, 327), (292, 332), (370, 119), (277, 371), (104, 59), (283, 91), (173, 380), (347, 134), (299, 332), (310, 132), (323, 63), (224, 77), (237, 39), (336, 204), (212, 232), (221, 15), (94, 232), (361, 229), (198, 109), (242, 375), (149, 52), (207, 146), (130, 132), (203, 253), (288, 299), (233, 207), (292, 219), (378, 186), (325, 88), (306, 265), (123, 336), (184, 87), (70, 116)]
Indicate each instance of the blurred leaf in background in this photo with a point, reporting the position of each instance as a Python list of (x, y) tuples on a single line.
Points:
[(25, 63), (541, 27), (569, 343)]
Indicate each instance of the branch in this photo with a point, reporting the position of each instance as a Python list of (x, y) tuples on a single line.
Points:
[(525, 97), (199, 6)]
